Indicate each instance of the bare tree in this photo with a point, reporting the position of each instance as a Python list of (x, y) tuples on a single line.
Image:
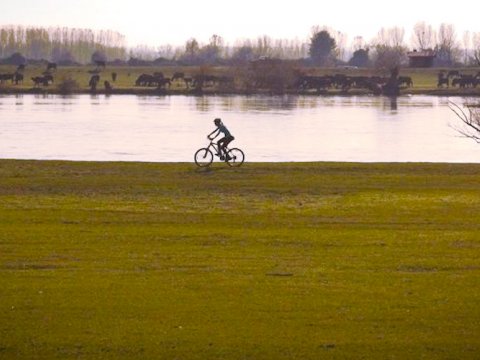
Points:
[(391, 37), (166, 51), (466, 42), (264, 46), (447, 44), (341, 41), (47, 43), (423, 36), (191, 49), (389, 48), (358, 43), (212, 52), (469, 115), (143, 52), (476, 47)]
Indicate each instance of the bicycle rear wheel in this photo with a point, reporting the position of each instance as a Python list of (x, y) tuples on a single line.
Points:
[(235, 157), (203, 157)]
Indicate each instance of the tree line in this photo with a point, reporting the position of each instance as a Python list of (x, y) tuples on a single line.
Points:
[(328, 47), (61, 44), (325, 47)]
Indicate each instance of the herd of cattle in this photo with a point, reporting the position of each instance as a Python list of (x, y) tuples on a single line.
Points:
[(455, 78), (157, 79), (344, 82), (303, 83), (44, 79), (17, 77)]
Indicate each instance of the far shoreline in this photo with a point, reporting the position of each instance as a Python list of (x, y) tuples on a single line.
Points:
[(469, 92), (256, 79)]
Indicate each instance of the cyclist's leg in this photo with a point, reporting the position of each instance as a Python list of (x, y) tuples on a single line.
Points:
[(221, 146), (227, 141)]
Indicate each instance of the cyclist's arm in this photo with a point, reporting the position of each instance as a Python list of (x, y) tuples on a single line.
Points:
[(212, 135)]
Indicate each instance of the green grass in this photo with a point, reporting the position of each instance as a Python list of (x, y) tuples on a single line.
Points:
[(126, 76), (267, 261), (424, 79)]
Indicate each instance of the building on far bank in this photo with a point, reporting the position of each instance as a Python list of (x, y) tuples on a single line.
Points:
[(422, 58)]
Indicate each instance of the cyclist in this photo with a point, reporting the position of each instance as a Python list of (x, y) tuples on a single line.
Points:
[(225, 140)]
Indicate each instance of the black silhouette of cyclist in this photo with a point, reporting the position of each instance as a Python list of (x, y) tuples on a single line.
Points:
[(225, 140)]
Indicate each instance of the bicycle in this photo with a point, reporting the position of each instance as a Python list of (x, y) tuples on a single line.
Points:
[(204, 156)]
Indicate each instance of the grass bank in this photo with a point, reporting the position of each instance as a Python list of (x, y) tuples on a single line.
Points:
[(424, 80), (267, 261)]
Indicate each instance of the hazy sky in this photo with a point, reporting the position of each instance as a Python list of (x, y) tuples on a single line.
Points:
[(157, 22)]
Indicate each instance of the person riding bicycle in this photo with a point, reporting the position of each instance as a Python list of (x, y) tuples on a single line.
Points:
[(225, 140)]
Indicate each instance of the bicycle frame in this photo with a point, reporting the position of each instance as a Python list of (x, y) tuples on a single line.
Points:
[(214, 145)]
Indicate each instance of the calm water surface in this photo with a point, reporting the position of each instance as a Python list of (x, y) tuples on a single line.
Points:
[(270, 128)]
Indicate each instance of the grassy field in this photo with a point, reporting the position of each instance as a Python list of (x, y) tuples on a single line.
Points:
[(267, 261), (424, 80)]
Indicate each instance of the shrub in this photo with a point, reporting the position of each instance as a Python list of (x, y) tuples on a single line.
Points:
[(68, 86), (273, 75)]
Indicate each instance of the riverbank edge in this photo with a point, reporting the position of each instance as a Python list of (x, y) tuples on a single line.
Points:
[(472, 92), (251, 164)]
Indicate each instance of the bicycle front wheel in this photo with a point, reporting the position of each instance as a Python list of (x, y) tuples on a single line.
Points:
[(203, 157), (235, 157)]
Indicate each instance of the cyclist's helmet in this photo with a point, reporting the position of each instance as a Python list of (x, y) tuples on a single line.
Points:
[(217, 121)]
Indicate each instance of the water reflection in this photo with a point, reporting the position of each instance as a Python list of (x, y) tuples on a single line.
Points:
[(247, 103), (19, 99), (268, 103), (202, 103), (393, 103)]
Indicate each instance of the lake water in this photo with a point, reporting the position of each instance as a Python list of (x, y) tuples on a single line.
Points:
[(267, 128)]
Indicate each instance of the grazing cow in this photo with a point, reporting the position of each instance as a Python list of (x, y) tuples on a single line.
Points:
[(21, 67), (442, 80), (163, 82), (453, 73), (150, 80), (108, 86), (203, 80), (374, 86), (143, 80), (357, 81), (464, 81), (188, 81), (18, 78), (405, 80), (6, 77), (318, 83), (94, 79), (48, 78), (40, 80), (459, 82), (178, 76), (51, 66)]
